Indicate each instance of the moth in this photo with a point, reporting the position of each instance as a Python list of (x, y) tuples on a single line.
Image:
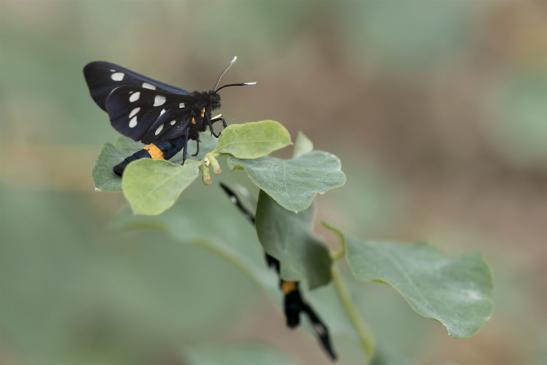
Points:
[(294, 304), (161, 116)]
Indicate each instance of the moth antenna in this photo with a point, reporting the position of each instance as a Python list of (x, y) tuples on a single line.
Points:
[(225, 70), (251, 83)]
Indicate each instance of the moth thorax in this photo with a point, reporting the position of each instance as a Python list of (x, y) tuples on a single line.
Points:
[(209, 99)]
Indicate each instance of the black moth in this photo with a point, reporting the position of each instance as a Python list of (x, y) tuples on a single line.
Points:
[(161, 116), (294, 304)]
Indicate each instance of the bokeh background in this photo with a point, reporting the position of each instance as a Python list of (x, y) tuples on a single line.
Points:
[(437, 108)]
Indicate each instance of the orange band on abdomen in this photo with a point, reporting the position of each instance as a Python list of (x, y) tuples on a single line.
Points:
[(154, 152), (288, 286)]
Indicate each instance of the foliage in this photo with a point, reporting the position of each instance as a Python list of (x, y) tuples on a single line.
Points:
[(454, 291), (151, 186), (288, 236)]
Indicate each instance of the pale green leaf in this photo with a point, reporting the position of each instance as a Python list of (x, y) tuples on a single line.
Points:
[(153, 186), (111, 155), (253, 140), (294, 183), (241, 354), (302, 145), (288, 237), (454, 291)]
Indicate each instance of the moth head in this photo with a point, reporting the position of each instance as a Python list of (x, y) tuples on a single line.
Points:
[(214, 99)]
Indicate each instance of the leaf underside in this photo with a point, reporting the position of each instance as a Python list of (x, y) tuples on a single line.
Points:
[(294, 183), (455, 291), (288, 237)]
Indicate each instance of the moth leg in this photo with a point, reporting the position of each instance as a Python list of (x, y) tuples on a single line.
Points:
[(219, 118), (212, 121), (210, 124), (197, 148), (184, 147)]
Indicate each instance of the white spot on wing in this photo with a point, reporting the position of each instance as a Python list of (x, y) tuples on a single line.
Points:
[(181, 105), (162, 112), (133, 122), (158, 131), (135, 96), (172, 122), (159, 100), (146, 85), (134, 112), (117, 76)]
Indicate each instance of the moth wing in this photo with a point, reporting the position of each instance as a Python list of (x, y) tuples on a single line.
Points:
[(103, 77), (138, 113), (170, 125)]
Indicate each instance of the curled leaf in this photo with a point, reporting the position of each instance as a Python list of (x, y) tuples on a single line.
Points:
[(302, 145)]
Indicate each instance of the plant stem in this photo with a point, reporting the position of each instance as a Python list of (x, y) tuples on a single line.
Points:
[(365, 337), (340, 252)]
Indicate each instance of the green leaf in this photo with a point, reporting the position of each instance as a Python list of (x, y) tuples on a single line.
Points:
[(293, 183), (111, 155), (237, 355), (153, 186), (253, 140), (302, 145), (454, 291), (230, 236), (288, 237)]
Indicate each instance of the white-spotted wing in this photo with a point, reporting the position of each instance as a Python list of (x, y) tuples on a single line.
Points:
[(148, 115), (103, 77)]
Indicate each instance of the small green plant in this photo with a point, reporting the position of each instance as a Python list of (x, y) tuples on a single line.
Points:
[(454, 291)]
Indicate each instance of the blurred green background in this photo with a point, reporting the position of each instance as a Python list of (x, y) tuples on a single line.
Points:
[(437, 108)]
